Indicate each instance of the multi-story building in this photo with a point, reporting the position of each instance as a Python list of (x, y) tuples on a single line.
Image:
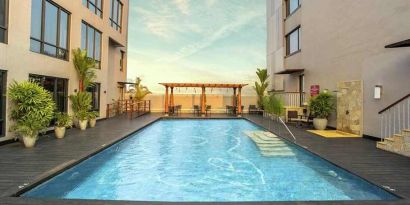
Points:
[(340, 45), (36, 40)]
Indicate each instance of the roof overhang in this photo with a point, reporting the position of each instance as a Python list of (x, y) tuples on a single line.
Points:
[(200, 85), (115, 43), (401, 44), (289, 71)]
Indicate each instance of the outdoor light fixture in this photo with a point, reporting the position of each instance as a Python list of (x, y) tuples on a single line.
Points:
[(378, 92)]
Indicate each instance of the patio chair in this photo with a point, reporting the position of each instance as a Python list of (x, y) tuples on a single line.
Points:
[(293, 117), (208, 109), (197, 110), (252, 109), (229, 110), (178, 109), (171, 110)]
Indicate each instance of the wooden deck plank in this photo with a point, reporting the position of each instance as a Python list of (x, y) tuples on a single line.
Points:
[(19, 166)]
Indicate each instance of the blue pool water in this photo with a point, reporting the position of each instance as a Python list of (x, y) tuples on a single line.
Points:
[(204, 160)]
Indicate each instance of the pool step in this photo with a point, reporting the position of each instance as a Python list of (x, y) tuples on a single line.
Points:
[(398, 143), (269, 144)]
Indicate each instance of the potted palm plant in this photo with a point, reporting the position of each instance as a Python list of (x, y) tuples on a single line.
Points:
[(92, 118), (81, 104), (63, 121), (85, 68), (261, 86), (32, 110), (321, 106)]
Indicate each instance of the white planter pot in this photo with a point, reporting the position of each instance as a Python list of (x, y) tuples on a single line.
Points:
[(320, 124), (83, 124), (93, 122), (29, 141), (59, 132)]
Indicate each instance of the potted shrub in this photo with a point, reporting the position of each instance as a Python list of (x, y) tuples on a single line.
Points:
[(92, 118), (63, 121), (32, 110), (82, 117), (321, 106), (81, 104)]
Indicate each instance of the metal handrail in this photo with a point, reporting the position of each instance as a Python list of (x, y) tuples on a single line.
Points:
[(395, 118), (395, 103)]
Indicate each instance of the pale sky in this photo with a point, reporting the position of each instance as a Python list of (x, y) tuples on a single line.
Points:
[(210, 41)]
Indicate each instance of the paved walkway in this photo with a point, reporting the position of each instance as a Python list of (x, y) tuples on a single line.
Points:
[(21, 167)]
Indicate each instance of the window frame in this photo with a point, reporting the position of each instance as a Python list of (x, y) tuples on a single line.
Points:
[(116, 25), (3, 117), (288, 12), (86, 42), (54, 93), (95, 84), (6, 22), (88, 2), (287, 41), (42, 32), (122, 60)]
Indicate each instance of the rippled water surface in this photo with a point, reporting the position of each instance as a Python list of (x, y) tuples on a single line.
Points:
[(204, 160)]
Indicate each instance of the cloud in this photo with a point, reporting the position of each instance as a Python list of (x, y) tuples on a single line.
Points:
[(210, 3), (183, 6), (220, 33)]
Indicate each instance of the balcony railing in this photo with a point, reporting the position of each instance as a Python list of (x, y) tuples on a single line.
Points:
[(132, 108), (292, 99)]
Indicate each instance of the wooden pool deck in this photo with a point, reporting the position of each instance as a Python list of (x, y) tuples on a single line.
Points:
[(21, 168)]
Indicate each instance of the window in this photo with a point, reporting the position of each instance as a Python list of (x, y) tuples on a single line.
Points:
[(293, 41), (3, 20), (91, 41), (292, 6), (49, 29), (95, 6), (122, 61), (116, 14), (94, 90), (3, 87), (58, 88)]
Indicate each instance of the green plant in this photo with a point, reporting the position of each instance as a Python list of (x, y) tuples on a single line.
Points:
[(81, 104), (140, 90), (85, 67), (81, 101), (273, 105), (322, 105), (261, 86), (93, 115), (32, 108), (63, 120)]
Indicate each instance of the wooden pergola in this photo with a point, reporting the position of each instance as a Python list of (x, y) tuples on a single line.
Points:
[(170, 102)]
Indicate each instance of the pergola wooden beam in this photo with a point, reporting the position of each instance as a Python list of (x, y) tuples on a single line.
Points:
[(200, 85), (236, 102)]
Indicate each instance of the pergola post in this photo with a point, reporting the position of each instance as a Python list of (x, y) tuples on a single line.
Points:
[(240, 102), (172, 97), (166, 101), (234, 98), (203, 102)]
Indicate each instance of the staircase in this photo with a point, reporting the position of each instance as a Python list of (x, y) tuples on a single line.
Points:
[(269, 144), (398, 143)]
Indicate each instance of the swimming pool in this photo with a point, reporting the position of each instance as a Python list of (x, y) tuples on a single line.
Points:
[(205, 161)]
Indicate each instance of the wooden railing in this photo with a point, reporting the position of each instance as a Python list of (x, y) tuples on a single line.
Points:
[(395, 117), (292, 99), (132, 108)]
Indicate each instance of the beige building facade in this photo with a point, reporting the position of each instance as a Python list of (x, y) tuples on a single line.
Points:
[(38, 39), (339, 45)]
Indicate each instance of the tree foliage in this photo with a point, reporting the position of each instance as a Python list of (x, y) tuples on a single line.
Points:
[(273, 105), (261, 86), (140, 90), (85, 67)]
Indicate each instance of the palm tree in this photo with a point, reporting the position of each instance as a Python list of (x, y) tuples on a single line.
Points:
[(85, 68), (261, 86), (140, 90)]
